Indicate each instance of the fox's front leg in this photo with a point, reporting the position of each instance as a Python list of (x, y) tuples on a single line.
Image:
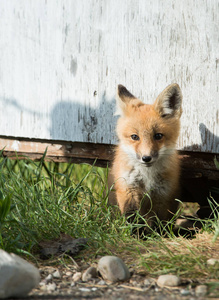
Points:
[(127, 201), (131, 201)]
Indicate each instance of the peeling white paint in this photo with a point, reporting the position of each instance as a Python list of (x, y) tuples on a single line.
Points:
[(61, 61), (15, 145)]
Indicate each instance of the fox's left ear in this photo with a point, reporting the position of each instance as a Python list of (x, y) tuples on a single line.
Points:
[(124, 97), (169, 102)]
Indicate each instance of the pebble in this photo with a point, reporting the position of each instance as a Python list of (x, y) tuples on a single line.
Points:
[(149, 282), (43, 288), (50, 270), (56, 274), (51, 287), (68, 273), (201, 290), (212, 261), (49, 278), (84, 290), (101, 282), (76, 277), (89, 274), (112, 268), (184, 292), (42, 283), (168, 280)]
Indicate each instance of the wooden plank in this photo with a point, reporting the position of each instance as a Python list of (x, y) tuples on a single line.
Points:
[(58, 151), (194, 163)]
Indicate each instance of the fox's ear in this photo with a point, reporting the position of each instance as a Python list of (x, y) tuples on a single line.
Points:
[(169, 102), (123, 98)]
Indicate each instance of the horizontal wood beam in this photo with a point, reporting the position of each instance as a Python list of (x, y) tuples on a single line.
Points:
[(196, 164), (57, 151)]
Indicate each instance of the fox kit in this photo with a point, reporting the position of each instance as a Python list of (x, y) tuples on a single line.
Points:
[(146, 167)]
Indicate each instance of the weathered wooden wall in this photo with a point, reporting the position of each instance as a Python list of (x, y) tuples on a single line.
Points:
[(61, 60)]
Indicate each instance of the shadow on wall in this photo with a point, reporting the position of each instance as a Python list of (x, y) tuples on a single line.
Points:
[(210, 142), (71, 121)]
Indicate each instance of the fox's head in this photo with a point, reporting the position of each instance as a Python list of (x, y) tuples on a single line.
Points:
[(148, 133)]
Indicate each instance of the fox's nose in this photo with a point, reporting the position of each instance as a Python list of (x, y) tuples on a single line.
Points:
[(146, 158)]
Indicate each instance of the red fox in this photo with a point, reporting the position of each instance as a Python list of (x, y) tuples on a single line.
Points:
[(146, 166)]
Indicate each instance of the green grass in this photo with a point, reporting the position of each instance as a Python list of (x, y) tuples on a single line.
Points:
[(48, 199), (41, 200)]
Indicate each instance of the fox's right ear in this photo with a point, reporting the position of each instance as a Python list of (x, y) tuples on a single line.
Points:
[(169, 102), (123, 98)]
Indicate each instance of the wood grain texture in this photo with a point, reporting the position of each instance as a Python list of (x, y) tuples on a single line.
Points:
[(194, 164), (61, 61)]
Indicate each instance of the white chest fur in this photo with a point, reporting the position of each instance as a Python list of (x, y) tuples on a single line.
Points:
[(150, 179)]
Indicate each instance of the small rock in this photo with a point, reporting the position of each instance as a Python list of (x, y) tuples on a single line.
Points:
[(48, 278), (112, 268), (89, 274), (84, 290), (50, 270), (51, 287), (101, 282), (212, 261), (43, 288), (68, 273), (148, 282), (201, 290), (43, 282), (17, 276), (56, 274), (185, 292), (134, 282), (168, 280), (76, 277)]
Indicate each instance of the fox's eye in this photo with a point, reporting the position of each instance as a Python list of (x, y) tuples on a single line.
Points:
[(158, 136), (135, 137)]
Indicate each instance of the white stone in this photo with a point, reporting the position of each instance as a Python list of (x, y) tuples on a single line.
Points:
[(56, 274), (185, 292), (148, 282), (76, 277), (112, 268), (42, 283), (201, 290), (213, 261), (84, 289), (51, 287), (168, 280), (101, 282), (48, 278), (17, 276), (68, 273)]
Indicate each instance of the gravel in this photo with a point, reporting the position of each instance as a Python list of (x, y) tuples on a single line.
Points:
[(71, 285)]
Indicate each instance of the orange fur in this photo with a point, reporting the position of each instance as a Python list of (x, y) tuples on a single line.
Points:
[(146, 167)]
